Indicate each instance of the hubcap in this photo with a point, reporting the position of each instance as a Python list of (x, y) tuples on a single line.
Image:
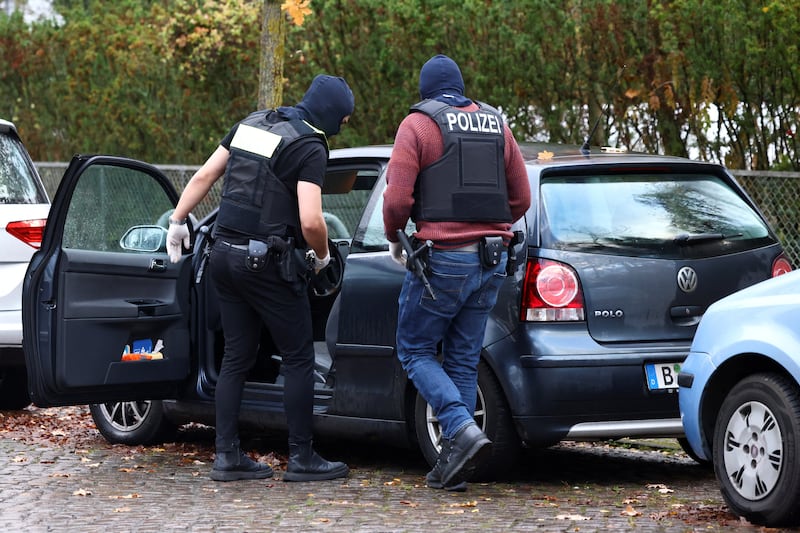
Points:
[(435, 430), (126, 416), (753, 452)]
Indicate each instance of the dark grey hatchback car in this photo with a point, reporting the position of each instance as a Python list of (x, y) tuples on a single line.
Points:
[(621, 255)]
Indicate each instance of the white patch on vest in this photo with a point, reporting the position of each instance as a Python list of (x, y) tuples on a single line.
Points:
[(255, 140), (473, 122)]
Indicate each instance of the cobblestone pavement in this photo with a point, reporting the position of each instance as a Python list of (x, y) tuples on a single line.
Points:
[(93, 486)]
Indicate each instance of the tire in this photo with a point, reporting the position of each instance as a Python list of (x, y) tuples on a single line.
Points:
[(756, 450), (14, 389), (133, 423), (686, 447), (492, 416)]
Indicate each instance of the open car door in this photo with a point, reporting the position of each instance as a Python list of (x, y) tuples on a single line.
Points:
[(105, 313)]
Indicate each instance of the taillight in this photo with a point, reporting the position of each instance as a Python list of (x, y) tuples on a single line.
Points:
[(781, 265), (28, 231), (551, 293)]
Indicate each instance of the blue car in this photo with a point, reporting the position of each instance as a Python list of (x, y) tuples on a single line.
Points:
[(739, 396)]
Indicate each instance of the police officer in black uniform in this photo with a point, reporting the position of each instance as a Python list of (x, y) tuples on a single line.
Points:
[(274, 163)]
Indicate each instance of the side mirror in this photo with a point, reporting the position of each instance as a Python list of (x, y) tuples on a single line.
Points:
[(145, 239)]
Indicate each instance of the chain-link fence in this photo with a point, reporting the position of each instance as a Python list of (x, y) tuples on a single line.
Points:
[(776, 193)]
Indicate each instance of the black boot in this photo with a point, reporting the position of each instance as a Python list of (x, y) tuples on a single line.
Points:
[(434, 478), (467, 449), (232, 464), (306, 465)]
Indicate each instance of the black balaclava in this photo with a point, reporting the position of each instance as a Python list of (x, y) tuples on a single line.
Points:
[(440, 79), (326, 102)]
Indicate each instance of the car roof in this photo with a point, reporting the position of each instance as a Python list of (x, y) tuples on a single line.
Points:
[(541, 155)]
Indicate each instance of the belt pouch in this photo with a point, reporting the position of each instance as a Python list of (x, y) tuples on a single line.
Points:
[(256, 258), (491, 250)]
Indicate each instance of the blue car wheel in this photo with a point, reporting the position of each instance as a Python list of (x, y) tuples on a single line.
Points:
[(757, 450)]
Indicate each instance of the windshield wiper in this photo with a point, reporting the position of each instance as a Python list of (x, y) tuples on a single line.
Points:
[(697, 238)]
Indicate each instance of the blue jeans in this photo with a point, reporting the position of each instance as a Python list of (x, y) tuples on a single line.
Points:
[(465, 293)]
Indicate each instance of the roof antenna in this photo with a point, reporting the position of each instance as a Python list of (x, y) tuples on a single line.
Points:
[(585, 148)]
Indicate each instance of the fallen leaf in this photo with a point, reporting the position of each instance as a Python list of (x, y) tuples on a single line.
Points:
[(472, 503), (630, 511), (571, 517), (410, 504)]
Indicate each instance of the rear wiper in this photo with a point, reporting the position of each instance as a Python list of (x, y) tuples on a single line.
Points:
[(697, 238)]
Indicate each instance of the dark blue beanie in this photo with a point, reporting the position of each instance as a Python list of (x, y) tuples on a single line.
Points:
[(326, 102), (440, 79)]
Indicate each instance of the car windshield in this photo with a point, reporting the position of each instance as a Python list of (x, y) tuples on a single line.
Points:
[(667, 215), (18, 184)]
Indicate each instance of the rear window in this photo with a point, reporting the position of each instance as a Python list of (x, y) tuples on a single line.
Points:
[(667, 215), (18, 183)]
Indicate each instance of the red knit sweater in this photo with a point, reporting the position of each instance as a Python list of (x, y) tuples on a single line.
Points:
[(419, 143)]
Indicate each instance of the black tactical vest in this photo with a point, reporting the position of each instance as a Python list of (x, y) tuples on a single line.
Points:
[(468, 183), (254, 201)]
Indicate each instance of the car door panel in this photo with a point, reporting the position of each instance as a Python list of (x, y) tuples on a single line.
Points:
[(367, 322), (104, 322), (116, 303)]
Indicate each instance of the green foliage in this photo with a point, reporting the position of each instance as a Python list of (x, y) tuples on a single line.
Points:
[(164, 80), (132, 78)]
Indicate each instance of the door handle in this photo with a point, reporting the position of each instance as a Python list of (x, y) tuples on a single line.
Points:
[(157, 265)]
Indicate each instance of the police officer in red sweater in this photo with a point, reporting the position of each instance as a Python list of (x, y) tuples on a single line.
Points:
[(457, 172)]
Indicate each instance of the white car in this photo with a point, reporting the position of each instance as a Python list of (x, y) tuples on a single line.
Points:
[(24, 206)]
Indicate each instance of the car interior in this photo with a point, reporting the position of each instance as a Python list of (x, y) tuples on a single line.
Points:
[(345, 195)]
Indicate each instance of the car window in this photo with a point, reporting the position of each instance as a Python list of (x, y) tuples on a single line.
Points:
[(663, 215), (373, 237), (345, 194), (108, 201), (18, 183)]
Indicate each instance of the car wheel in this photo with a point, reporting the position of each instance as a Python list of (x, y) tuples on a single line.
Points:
[(132, 423), (687, 448), (492, 416), (14, 389), (756, 440)]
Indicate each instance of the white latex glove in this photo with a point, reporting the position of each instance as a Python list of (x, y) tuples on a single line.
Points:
[(398, 255), (319, 264), (178, 234)]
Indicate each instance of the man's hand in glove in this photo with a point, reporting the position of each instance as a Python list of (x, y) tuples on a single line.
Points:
[(396, 250), (319, 264), (177, 235)]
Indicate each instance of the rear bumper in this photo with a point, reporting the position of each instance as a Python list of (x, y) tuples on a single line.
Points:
[(11, 328), (586, 391)]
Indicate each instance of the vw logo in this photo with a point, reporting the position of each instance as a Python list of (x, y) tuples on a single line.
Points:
[(687, 279)]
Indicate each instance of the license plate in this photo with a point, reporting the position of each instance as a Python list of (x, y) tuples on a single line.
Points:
[(661, 376)]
